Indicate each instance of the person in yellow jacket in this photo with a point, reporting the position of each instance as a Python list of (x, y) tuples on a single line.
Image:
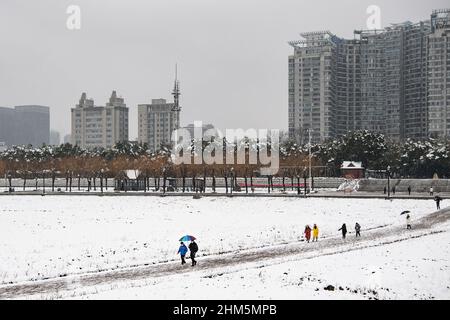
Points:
[(315, 233)]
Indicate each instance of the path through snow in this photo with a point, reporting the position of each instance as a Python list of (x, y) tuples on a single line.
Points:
[(262, 257)]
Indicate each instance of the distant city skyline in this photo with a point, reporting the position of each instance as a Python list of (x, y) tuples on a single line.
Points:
[(232, 74)]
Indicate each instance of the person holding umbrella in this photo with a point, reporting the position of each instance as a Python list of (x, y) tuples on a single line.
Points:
[(182, 251), (192, 247), (408, 219)]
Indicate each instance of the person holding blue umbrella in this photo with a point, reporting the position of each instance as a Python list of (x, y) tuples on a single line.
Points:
[(182, 251)]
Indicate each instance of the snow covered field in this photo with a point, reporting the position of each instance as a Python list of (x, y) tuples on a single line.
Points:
[(416, 269), (50, 237)]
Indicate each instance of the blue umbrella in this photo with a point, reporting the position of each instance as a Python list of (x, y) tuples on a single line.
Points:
[(188, 238)]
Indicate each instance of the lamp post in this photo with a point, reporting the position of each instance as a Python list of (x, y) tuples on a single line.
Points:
[(304, 183), (310, 161), (388, 171), (101, 179), (43, 181), (9, 181), (70, 181), (164, 180), (232, 180)]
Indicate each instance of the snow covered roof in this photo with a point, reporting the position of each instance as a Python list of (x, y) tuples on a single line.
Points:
[(351, 165), (132, 174)]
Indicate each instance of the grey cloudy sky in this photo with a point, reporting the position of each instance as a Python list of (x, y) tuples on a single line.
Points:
[(232, 54)]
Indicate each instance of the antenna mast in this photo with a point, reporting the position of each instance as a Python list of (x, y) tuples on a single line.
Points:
[(176, 92)]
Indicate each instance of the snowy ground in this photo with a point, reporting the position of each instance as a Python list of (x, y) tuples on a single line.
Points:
[(50, 237), (414, 269)]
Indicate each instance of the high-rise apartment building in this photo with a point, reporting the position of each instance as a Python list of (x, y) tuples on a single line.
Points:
[(158, 120), (438, 74), (25, 125), (414, 85), (347, 83), (391, 81), (7, 126), (99, 126), (311, 91)]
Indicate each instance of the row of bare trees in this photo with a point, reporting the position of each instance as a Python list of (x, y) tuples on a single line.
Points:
[(97, 166), (97, 170)]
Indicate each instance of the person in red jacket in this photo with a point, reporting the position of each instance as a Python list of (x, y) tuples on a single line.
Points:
[(308, 233)]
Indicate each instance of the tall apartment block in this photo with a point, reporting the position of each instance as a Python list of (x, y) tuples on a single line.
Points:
[(311, 91), (382, 81), (99, 126), (414, 122), (346, 75), (25, 125), (158, 120), (438, 74)]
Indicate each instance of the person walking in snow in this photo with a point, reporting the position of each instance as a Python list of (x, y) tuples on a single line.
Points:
[(307, 233), (344, 230), (358, 230), (193, 248), (315, 233), (182, 251), (438, 202), (408, 222), (409, 190)]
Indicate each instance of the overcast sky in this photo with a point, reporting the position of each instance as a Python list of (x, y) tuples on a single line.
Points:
[(232, 54)]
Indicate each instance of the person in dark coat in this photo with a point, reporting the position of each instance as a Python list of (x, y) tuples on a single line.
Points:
[(385, 190), (344, 230), (193, 247), (408, 222), (409, 190), (182, 251), (358, 230), (308, 233), (438, 202), (393, 190)]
